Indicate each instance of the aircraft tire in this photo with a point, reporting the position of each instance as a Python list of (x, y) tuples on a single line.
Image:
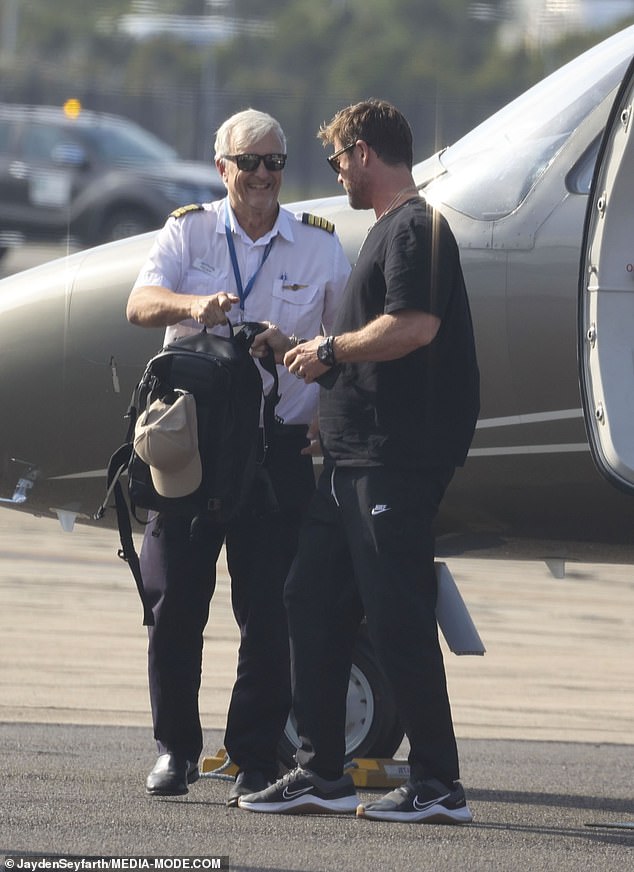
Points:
[(372, 726), (389, 740)]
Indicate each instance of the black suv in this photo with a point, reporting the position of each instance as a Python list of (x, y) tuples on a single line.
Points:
[(93, 177)]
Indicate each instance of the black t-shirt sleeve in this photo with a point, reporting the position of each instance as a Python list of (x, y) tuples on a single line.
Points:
[(415, 282)]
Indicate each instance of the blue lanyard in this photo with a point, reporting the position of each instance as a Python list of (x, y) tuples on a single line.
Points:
[(243, 293)]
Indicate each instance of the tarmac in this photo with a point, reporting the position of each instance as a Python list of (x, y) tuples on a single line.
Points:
[(544, 722)]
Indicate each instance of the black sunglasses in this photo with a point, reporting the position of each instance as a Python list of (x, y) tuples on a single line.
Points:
[(333, 160), (250, 162)]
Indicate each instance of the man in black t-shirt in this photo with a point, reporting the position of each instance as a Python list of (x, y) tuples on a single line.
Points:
[(398, 407), (417, 410)]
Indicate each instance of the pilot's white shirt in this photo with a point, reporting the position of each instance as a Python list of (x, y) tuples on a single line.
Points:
[(298, 287)]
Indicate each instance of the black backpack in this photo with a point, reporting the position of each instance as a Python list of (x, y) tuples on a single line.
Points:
[(225, 382)]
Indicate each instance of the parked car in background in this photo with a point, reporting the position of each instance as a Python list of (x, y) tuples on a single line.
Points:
[(67, 172)]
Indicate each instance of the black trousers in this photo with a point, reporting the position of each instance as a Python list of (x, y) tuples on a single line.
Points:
[(178, 564), (367, 547)]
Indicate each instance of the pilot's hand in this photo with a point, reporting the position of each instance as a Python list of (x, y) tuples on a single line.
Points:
[(303, 362), (211, 310), (313, 449), (271, 338)]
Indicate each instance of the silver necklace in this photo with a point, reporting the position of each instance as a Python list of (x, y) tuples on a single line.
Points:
[(389, 208), (395, 199)]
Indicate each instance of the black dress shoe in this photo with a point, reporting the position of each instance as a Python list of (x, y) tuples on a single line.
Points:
[(171, 775), (245, 783)]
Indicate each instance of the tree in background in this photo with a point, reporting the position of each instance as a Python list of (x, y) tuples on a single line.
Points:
[(438, 60)]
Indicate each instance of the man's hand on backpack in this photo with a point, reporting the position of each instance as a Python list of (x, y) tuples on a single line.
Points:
[(272, 338), (211, 311)]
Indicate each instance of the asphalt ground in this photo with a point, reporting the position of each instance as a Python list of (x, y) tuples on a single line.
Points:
[(78, 790), (544, 723)]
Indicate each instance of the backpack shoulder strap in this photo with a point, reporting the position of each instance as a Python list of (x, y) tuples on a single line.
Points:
[(271, 399), (127, 551), (247, 331), (117, 465)]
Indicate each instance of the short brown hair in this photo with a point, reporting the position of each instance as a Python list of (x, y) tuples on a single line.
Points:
[(376, 122)]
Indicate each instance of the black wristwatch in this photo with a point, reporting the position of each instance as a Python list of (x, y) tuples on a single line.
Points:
[(326, 352)]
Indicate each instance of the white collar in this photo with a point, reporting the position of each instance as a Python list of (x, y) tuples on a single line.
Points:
[(282, 226)]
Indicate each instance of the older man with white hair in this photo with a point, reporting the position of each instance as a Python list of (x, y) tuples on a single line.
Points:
[(243, 258)]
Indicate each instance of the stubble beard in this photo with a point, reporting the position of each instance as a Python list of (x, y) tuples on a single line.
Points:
[(356, 197)]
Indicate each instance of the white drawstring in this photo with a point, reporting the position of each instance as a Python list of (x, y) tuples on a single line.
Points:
[(332, 487)]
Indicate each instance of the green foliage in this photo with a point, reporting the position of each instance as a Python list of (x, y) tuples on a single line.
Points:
[(53, 28)]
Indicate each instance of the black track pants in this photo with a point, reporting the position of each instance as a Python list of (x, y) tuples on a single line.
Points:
[(367, 547)]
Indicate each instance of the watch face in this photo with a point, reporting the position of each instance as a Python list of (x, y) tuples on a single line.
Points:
[(322, 352)]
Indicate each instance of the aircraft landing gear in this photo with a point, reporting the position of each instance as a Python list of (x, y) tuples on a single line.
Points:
[(372, 725)]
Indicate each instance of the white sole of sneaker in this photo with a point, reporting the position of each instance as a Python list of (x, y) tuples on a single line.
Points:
[(437, 814), (304, 805)]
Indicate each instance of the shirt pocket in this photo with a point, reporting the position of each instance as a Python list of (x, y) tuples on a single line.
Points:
[(297, 307)]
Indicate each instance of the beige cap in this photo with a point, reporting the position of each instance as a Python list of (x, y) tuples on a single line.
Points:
[(166, 438)]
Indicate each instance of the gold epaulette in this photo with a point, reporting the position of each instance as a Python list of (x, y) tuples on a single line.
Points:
[(318, 221), (183, 210)]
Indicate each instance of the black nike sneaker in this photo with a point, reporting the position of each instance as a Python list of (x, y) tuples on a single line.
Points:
[(302, 792), (423, 801)]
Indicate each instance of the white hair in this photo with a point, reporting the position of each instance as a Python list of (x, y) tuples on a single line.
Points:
[(246, 126)]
